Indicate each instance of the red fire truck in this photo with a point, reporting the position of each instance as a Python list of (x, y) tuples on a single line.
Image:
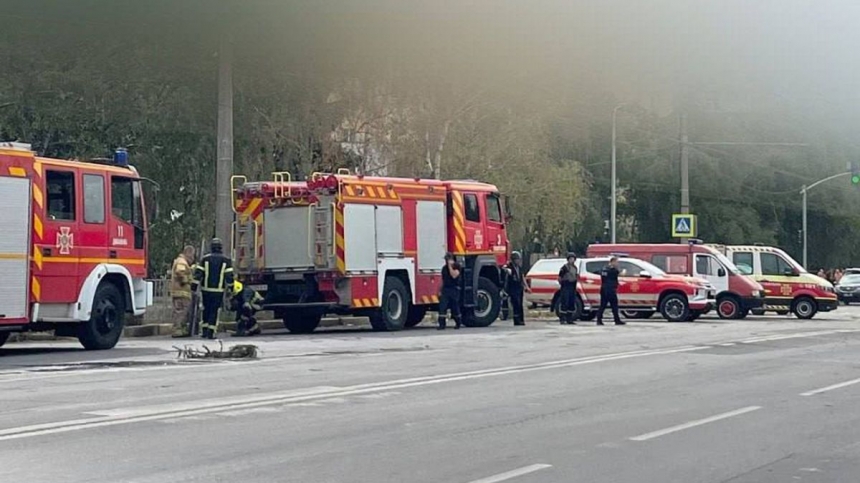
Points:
[(73, 254), (371, 246)]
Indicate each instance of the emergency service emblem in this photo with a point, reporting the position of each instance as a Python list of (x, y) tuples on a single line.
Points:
[(634, 287), (65, 240), (786, 289)]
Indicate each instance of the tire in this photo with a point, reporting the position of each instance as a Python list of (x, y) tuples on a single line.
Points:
[(4, 336), (416, 315), (392, 314), (804, 308), (588, 316), (302, 321), (694, 314), (675, 308), (743, 314), (729, 308), (488, 304), (107, 320), (637, 314)]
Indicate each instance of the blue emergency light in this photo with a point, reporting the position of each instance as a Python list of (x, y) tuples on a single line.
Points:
[(120, 157)]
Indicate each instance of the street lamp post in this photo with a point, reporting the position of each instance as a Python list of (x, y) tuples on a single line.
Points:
[(612, 210), (803, 191)]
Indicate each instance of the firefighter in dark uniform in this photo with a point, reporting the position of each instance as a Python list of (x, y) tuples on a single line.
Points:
[(213, 275), (449, 299), (515, 286), (567, 278), (609, 291), (246, 302)]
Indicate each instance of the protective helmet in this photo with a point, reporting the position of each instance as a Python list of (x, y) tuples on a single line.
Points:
[(216, 245), (516, 255), (237, 287), (571, 255), (449, 256)]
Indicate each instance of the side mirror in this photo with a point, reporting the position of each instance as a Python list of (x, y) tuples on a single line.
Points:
[(645, 274), (721, 272)]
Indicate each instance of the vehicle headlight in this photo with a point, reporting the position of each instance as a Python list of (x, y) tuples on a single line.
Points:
[(827, 288)]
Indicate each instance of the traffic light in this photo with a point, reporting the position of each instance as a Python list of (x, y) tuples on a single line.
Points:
[(855, 173)]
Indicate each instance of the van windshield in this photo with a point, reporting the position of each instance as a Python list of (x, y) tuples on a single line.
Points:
[(727, 263)]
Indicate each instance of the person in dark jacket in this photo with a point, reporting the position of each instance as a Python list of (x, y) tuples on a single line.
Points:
[(609, 291), (213, 275), (515, 286), (449, 298), (567, 278)]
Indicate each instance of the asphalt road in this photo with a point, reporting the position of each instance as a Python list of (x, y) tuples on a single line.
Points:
[(761, 400)]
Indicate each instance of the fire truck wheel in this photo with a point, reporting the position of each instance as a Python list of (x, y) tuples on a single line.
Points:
[(4, 336), (804, 308), (416, 315), (488, 304), (302, 321), (674, 308), (393, 313), (104, 328), (728, 308)]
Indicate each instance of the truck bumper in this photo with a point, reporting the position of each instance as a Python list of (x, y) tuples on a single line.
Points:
[(826, 305), (704, 305), (749, 303)]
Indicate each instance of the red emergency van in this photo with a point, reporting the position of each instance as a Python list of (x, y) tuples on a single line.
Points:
[(737, 294)]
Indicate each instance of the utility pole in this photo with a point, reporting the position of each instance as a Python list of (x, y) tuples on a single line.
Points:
[(685, 165), (224, 165), (614, 176)]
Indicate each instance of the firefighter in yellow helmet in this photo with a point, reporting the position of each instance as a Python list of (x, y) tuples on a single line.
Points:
[(246, 302)]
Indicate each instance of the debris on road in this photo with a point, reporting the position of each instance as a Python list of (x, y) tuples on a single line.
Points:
[(239, 351)]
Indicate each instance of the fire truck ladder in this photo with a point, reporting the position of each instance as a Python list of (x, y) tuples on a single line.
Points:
[(245, 234), (323, 224)]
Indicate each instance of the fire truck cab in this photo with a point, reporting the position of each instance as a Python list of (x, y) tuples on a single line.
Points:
[(370, 246), (73, 255)]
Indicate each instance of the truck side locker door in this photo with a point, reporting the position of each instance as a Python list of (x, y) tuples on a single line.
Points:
[(126, 225), (59, 249), (92, 234)]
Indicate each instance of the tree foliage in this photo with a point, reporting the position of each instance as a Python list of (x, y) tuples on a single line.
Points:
[(313, 95)]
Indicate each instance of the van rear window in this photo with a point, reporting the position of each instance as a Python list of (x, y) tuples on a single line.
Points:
[(671, 263)]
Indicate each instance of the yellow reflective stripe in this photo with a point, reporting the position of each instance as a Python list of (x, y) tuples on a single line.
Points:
[(207, 289), (205, 274), (221, 277)]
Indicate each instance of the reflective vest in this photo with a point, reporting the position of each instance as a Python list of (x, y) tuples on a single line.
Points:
[(214, 273)]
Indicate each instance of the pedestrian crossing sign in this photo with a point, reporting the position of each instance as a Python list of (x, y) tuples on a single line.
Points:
[(683, 225)]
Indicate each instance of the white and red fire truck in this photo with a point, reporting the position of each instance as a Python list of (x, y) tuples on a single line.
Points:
[(372, 246), (73, 250)]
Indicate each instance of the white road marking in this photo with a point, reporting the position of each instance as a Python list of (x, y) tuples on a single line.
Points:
[(830, 388), (728, 344), (693, 424), (512, 474), (171, 411)]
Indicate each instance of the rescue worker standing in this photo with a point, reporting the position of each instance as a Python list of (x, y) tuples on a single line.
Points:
[(515, 286), (609, 291), (180, 290), (246, 302), (213, 274), (567, 278), (449, 299)]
